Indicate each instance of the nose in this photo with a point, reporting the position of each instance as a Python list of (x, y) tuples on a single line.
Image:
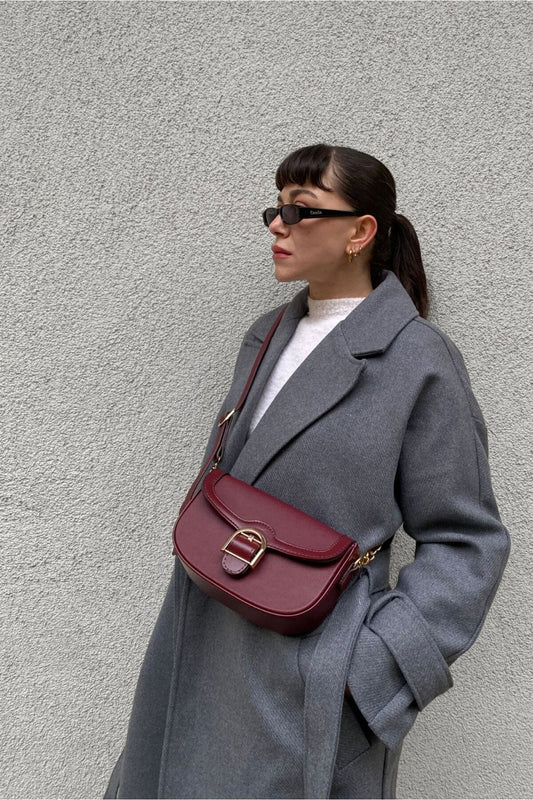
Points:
[(277, 227)]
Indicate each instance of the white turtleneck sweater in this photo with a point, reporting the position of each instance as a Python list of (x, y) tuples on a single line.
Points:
[(320, 319)]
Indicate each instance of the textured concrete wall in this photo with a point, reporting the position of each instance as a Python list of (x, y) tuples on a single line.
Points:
[(138, 149)]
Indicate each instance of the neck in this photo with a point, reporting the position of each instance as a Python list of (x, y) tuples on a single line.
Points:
[(348, 284)]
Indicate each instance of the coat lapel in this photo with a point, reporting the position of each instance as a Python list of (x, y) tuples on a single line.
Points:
[(296, 309), (321, 381), (327, 375)]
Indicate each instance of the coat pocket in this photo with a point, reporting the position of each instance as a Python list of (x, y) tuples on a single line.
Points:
[(355, 735)]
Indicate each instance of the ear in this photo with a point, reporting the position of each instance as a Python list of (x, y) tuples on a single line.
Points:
[(363, 233)]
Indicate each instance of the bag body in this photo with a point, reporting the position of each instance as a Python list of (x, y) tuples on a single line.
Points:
[(268, 561)]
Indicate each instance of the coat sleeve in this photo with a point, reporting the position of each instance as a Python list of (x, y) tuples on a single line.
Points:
[(414, 632)]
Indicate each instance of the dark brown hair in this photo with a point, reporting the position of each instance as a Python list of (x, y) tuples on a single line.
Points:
[(369, 187)]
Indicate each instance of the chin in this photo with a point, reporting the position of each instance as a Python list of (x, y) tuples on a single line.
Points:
[(283, 276)]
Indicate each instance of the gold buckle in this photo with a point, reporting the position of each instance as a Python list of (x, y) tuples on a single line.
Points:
[(250, 534), (226, 417)]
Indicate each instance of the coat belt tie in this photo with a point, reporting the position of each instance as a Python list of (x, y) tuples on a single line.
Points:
[(326, 682)]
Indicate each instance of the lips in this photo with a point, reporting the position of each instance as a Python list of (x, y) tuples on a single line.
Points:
[(279, 251)]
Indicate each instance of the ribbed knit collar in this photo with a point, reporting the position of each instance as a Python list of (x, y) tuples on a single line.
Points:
[(332, 307)]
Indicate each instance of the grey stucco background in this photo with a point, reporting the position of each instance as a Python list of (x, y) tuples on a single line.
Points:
[(139, 142)]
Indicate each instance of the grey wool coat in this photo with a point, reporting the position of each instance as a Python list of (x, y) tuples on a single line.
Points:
[(377, 427)]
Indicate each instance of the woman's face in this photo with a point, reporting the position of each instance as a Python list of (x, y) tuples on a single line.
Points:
[(314, 250)]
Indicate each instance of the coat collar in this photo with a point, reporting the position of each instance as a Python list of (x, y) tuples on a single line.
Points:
[(332, 369), (372, 326)]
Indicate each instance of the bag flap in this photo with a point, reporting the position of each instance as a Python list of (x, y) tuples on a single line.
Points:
[(286, 529)]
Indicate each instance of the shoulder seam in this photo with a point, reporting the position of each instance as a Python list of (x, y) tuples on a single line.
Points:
[(443, 339)]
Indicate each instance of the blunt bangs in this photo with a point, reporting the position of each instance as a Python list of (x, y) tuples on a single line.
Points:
[(305, 164)]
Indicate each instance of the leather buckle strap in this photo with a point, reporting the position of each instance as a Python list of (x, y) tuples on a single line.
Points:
[(246, 545)]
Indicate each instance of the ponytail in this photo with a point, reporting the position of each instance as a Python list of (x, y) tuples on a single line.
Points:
[(406, 262)]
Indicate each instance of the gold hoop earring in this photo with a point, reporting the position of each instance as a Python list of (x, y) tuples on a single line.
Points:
[(351, 254)]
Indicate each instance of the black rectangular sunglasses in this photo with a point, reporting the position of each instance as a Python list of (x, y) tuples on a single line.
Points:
[(292, 214)]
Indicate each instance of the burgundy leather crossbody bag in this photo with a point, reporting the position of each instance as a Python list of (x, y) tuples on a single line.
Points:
[(268, 561)]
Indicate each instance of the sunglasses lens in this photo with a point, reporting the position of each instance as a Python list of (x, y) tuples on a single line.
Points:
[(290, 214), (269, 215)]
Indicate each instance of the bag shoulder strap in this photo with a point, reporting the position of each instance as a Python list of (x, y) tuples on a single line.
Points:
[(224, 422)]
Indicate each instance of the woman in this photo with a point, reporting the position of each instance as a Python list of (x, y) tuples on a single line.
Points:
[(361, 415)]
